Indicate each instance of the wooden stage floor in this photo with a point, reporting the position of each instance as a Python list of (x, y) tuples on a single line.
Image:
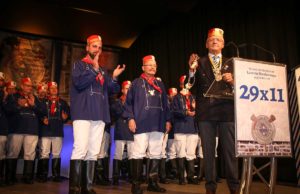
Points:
[(124, 188)]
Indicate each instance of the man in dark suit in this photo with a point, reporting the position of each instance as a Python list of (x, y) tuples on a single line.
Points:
[(214, 114)]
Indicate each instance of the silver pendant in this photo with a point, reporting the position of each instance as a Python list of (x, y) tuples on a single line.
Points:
[(151, 92)]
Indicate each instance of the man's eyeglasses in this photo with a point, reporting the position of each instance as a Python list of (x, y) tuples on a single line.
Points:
[(155, 66), (29, 86)]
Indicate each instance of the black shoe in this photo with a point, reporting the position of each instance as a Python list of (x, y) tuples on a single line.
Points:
[(136, 189), (200, 170), (130, 171), (28, 172), (154, 187), (173, 174), (115, 181), (181, 182), (99, 177), (193, 181), (57, 179), (200, 179), (103, 182), (10, 171), (75, 177), (136, 174), (42, 179), (162, 172), (116, 171), (87, 176), (164, 181), (56, 169), (42, 174), (191, 173), (2, 168), (145, 178), (153, 177), (106, 170), (181, 169)]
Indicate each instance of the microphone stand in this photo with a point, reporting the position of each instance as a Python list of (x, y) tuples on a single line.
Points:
[(235, 46), (259, 47), (267, 51)]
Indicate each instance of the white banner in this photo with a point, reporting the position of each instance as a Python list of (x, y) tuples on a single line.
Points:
[(297, 77), (261, 109)]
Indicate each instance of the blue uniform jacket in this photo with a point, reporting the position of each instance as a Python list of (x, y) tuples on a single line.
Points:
[(55, 122), (25, 119), (122, 131), (182, 122), (89, 99), (147, 107)]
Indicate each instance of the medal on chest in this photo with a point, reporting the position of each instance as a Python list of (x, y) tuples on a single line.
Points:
[(151, 92)]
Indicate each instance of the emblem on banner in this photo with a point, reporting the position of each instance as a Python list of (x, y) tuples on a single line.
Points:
[(263, 129)]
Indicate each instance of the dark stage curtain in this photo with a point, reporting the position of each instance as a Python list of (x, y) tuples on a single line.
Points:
[(271, 25)]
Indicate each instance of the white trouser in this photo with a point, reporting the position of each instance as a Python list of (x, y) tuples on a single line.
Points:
[(15, 143), (171, 149), (151, 141), (87, 139), (3, 140), (104, 146), (50, 142), (186, 145), (164, 146), (119, 149), (200, 151)]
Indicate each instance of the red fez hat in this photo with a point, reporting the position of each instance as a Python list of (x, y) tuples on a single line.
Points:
[(215, 32), (2, 76), (126, 83), (172, 91), (148, 58), (26, 80), (11, 84), (93, 38), (182, 79), (52, 84)]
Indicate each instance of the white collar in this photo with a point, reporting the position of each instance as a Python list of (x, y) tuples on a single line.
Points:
[(211, 55)]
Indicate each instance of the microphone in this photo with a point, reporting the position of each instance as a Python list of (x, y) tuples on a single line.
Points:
[(235, 46), (242, 45), (267, 51), (259, 47)]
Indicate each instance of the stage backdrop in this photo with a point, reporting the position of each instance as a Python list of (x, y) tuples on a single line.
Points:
[(25, 56), (261, 109), (44, 59), (72, 52)]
